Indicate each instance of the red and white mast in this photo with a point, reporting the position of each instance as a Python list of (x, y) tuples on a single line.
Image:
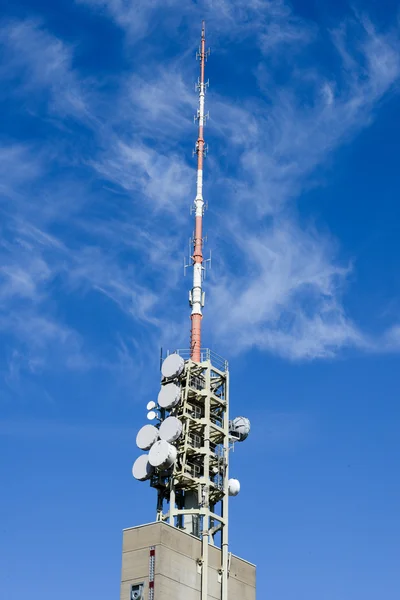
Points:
[(197, 294), (197, 503)]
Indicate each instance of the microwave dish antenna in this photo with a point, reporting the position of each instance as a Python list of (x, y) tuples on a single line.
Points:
[(162, 455), (169, 395), (146, 437), (233, 487), (142, 469), (171, 429), (239, 428), (172, 366)]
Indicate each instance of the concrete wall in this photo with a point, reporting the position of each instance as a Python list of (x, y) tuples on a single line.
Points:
[(177, 574)]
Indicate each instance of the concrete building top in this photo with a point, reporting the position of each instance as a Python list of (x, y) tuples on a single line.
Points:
[(157, 536)]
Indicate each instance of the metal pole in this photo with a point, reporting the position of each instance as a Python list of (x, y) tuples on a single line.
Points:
[(172, 502), (225, 500), (196, 295), (206, 487)]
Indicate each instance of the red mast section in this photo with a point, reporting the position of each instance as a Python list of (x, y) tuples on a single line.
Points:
[(196, 296)]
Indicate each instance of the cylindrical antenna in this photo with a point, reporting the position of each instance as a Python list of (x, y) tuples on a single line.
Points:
[(197, 294)]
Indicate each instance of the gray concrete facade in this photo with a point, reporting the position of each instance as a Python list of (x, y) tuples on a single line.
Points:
[(177, 569)]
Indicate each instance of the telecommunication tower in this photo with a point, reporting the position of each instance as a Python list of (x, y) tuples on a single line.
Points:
[(186, 448)]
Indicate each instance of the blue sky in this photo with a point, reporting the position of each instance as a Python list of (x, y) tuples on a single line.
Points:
[(302, 181)]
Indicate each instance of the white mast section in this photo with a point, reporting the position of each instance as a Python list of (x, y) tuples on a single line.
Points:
[(196, 296)]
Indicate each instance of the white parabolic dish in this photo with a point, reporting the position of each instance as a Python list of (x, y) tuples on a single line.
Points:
[(241, 426), (169, 395), (146, 437), (170, 429), (233, 487), (162, 455), (142, 469), (172, 366)]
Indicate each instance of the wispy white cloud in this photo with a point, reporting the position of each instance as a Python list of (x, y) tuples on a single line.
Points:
[(271, 23), (162, 181), (18, 167), (40, 270), (35, 61), (285, 290), (139, 18), (289, 138), (288, 296)]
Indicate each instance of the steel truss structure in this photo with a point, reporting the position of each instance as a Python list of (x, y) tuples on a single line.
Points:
[(194, 495)]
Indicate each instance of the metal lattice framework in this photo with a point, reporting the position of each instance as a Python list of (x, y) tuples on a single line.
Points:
[(194, 495)]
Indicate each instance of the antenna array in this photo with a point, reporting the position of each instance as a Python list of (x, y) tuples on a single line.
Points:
[(187, 444), (188, 452)]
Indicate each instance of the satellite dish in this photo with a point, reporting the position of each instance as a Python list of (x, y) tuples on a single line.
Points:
[(146, 437), (162, 455), (150, 405), (142, 469), (233, 487), (169, 395), (172, 366), (170, 429), (239, 428), (151, 415)]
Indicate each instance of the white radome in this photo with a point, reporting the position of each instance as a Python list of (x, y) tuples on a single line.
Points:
[(151, 405), (169, 395), (142, 469), (162, 455), (240, 426), (151, 415), (170, 429), (172, 366), (233, 487), (146, 437)]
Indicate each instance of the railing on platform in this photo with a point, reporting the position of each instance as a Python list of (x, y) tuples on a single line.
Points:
[(206, 354)]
